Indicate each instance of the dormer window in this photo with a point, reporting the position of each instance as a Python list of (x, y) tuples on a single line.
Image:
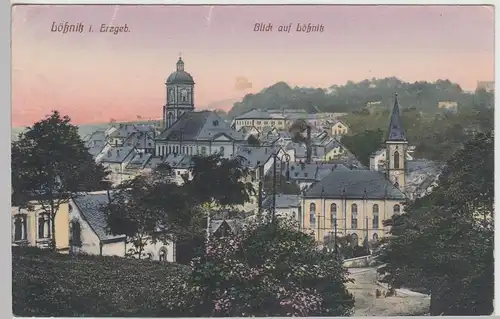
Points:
[(215, 123)]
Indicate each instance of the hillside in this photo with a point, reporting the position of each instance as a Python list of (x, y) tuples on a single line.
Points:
[(48, 284), (354, 96), (86, 129)]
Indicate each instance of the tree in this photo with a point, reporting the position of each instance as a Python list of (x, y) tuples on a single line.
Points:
[(148, 209), (444, 243), (268, 271), (362, 145), (218, 182), (50, 163), (144, 209)]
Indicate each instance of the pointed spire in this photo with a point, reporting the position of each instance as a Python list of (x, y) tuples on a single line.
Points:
[(180, 64), (396, 131)]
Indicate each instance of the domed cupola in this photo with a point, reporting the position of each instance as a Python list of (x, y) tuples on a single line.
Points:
[(180, 76)]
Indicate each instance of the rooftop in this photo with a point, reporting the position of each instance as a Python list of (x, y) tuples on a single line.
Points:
[(355, 184)]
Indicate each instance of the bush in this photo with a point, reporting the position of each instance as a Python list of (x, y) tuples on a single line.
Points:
[(45, 283), (268, 270)]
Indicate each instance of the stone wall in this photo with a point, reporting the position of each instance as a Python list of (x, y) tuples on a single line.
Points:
[(359, 262)]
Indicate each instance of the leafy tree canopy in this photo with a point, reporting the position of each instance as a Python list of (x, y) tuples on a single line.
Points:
[(363, 144), (444, 243), (266, 270), (354, 96)]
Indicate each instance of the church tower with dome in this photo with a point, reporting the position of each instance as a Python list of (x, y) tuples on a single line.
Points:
[(180, 95)]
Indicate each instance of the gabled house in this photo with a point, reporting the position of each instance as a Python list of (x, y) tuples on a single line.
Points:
[(89, 234), (116, 159), (339, 128)]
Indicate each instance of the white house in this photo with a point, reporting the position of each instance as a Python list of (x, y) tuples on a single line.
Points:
[(89, 232), (116, 159), (286, 206)]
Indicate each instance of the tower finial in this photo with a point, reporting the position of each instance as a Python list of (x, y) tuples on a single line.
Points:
[(180, 63)]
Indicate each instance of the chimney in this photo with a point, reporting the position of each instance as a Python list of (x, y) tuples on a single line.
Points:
[(140, 155)]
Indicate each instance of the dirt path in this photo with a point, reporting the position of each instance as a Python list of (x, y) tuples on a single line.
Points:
[(367, 304)]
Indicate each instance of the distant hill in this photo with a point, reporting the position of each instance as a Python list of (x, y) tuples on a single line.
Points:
[(355, 96), (85, 129)]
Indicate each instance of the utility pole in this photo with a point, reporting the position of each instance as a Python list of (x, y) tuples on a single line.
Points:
[(259, 200), (335, 236), (275, 158)]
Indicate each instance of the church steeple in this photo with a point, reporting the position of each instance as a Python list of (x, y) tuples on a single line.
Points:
[(396, 147), (396, 131)]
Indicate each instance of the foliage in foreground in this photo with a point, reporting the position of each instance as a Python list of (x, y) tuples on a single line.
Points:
[(268, 270), (50, 284), (444, 243)]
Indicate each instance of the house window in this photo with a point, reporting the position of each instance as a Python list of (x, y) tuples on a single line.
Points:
[(222, 150), (333, 213), (203, 150), (43, 226), (20, 228), (162, 254), (76, 232), (354, 216), (375, 237), (312, 214), (375, 216), (397, 209), (396, 159)]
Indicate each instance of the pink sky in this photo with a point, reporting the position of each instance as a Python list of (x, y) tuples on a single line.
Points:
[(93, 77)]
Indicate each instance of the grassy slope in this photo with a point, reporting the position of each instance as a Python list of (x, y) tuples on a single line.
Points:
[(50, 284)]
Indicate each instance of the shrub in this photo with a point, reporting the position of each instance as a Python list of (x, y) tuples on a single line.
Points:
[(268, 270), (50, 284)]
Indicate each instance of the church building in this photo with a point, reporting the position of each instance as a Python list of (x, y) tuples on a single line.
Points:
[(355, 202), (187, 131)]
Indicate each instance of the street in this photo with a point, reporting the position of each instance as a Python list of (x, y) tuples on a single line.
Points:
[(367, 304)]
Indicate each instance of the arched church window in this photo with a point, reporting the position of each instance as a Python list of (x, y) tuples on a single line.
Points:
[(20, 227), (354, 239), (184, 95), (222, 150), (171, 95), (76, 233), (312, 215), (333, 213), (396, 159), (203, 150), (354, 216), (43, 226), (375, 220), (162, 254)]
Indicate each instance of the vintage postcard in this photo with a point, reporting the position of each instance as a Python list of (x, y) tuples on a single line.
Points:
[(253, 161)]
